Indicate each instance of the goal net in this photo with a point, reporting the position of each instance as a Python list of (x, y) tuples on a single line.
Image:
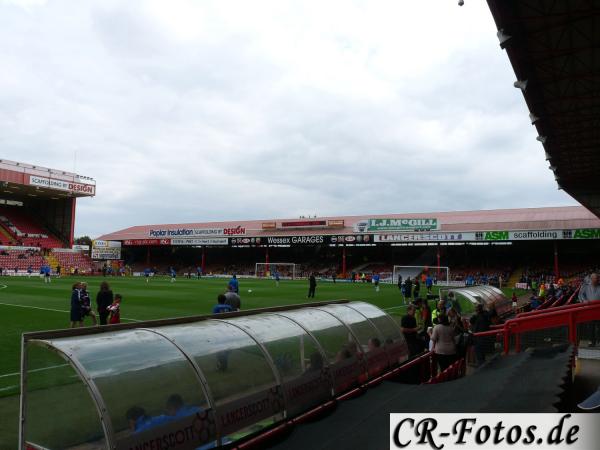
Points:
[(440, 274), (269, 270)]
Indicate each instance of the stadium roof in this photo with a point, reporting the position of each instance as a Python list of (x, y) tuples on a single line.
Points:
[(20, 180), (553, 48), (567, 217)]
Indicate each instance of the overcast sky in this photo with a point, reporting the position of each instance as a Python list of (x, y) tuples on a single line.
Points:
[(203, 110)]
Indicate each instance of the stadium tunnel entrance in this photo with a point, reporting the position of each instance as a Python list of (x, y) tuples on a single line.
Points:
[(199, 381)]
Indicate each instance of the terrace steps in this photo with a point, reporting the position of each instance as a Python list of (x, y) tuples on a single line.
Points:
[(515, 277)]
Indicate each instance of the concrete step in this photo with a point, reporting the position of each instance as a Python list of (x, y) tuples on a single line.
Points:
[(589, 353)]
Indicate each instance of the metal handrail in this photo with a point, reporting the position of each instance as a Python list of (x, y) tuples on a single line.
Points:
[(569, 316)]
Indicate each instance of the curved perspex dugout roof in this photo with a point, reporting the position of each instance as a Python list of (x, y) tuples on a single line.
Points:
[(490, 297), (197, 382)]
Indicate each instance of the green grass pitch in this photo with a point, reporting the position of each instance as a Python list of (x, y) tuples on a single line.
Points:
[(28, 304)]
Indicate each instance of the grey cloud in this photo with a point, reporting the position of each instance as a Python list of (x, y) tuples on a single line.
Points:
[(267, 111)]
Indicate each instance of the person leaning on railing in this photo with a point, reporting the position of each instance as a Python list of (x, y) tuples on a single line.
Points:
[(589, 292), (480, 322)]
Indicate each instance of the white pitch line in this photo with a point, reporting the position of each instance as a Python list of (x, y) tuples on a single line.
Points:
[(3, 286), (8, 388), (55, 310), (395, 307), (34, 370)]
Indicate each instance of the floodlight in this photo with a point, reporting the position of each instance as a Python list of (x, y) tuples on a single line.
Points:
[(542, 139), (520, 84), (503, 37), (533, 118)]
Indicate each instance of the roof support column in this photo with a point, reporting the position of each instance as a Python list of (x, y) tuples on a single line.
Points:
[(344, 261), (556, 271)]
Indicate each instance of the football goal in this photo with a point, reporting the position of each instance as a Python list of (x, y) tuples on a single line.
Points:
[(440, 274), (268, 270)]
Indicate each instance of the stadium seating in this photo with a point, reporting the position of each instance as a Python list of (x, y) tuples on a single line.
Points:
[(24, 230), (68, 260), (21, 260)]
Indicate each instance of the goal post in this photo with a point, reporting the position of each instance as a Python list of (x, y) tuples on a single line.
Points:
[(441, 273), (268, 270)]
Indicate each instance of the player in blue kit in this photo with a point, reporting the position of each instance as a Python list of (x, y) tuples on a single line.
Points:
[(221, 306), (234, 284)]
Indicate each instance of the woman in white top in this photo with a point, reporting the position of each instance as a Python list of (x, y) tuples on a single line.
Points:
[(444, 346)]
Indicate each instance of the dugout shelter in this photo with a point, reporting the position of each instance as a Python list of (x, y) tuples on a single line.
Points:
[(201, 381)]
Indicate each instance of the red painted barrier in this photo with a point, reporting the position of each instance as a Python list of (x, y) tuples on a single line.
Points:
[(453, 372), (563, 316)]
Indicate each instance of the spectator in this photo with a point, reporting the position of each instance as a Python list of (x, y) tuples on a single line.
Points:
[(312, 286), (425, 314), (455, 321), (452, 302), (104, 299), (444, 346), (416, 289), (76, 313), (408, 288), (221, 306), (480, 322), (590, 292), (86, 304), (408, 326), (429, 333), (438, 311), (232, 299), (418, 304), (115, 310)]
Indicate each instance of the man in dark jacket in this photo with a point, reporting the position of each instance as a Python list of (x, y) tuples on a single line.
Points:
[(408, 288), (312, 285), (103, 300), (417, 289), (480, 322)]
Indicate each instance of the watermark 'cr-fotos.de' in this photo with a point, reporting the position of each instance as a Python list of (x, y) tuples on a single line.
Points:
[(494, 431)]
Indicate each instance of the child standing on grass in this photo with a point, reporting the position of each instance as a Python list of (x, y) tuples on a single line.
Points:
[(115, 310)]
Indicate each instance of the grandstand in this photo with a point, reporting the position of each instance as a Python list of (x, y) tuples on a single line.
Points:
[(486, 246), (37, 216)]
